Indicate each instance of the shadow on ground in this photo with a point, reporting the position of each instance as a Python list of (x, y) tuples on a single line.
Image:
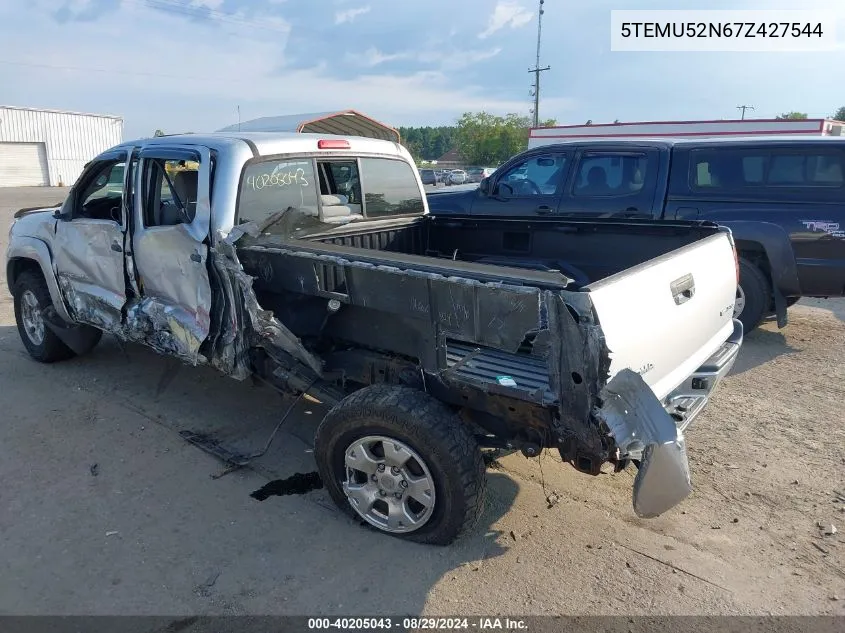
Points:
[(224, 551), (835, 306), (761, 346)]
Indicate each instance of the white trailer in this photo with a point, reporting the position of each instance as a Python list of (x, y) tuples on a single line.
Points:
[(687, 129)]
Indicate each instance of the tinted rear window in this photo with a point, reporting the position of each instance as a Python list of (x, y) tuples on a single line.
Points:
[(390, 188), (737, 169)]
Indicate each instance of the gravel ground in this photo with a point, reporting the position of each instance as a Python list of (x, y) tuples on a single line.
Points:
[(106, 510)]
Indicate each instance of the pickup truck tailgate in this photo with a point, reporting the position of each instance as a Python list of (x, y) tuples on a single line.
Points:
[(667, 316)]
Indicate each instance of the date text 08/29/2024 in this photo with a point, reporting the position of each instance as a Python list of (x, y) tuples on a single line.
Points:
[(477, 623)]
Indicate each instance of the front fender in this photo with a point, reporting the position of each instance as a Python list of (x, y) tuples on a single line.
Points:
[(35, 250)]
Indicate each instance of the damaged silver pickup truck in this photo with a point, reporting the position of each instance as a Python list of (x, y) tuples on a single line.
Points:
[(312, 262)]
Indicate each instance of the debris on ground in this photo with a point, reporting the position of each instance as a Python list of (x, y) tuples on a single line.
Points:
[(553, 499), (828, 529), (735, 520), (112, 533), (514, 536), (94, 469), (204, 589)]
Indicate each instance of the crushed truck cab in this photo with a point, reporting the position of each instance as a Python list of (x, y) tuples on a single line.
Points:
[(313, 262)]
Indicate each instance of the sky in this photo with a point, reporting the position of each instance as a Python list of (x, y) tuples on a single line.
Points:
[(189, 65)]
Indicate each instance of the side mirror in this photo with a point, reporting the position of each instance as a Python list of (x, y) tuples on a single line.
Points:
[(505, 190), (65, 211), (484, 186)]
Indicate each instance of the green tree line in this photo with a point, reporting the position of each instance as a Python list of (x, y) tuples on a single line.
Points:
[(481, 138), (839, 115), (428, 143)]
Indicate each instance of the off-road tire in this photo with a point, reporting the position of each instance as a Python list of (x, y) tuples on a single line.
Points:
[(427, 426), (51, 348), (757, 291)]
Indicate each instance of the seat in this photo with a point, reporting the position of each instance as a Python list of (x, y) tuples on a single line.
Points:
[(336, 209), (596, 182), (185, 186)]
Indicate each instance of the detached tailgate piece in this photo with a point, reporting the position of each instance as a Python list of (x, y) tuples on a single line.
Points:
[(669, 327)]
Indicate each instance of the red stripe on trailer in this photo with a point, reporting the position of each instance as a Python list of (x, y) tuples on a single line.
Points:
[(565, 127), (671, 134)]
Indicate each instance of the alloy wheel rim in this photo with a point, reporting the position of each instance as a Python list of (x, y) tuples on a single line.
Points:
[(33, 322), (388, 484)]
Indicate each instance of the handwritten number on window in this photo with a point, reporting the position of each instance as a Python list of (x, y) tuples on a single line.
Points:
[(278, 178)]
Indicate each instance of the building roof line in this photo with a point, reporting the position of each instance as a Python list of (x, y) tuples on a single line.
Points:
[(91, 114)]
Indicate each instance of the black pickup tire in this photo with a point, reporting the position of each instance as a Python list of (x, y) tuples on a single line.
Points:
[(31, 297), (753, 295), (403, 463)]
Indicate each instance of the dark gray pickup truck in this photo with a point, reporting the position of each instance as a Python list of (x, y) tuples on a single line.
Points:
[(312, 262), (782, 198)]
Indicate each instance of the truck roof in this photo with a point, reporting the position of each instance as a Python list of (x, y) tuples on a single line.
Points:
[(272, 143), (666, 141)]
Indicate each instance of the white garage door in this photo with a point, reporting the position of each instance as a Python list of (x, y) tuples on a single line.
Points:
[(23, 165)]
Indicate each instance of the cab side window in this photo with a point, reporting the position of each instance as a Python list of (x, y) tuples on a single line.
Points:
[(102, 196), (536, 176), (170, 192), (610, 175)]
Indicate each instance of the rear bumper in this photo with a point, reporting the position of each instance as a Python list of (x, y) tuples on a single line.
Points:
[(651, 431), (689, 398)]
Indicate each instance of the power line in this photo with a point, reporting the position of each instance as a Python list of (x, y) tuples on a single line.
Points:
[(130, 73), (537, 70), (744, 108)]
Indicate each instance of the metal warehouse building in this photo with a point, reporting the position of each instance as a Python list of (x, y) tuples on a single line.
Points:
[(50, 147)]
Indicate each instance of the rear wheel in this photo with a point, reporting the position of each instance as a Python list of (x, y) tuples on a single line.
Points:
[(752, 295), (403, 463), (31, 297)]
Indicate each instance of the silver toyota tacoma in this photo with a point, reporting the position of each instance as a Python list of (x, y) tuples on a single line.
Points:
[(312, 262)]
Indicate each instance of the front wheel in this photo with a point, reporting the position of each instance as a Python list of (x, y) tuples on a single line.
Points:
[(31, 298), (403, 463)]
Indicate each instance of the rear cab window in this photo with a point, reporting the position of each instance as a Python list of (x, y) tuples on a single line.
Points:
[(758, 169), (293, 197)]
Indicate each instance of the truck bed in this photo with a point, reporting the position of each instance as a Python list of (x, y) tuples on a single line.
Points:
[(423, 288), (566, 249)]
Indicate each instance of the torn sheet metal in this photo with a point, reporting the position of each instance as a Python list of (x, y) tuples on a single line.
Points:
[(91, 304), (578, 361), (245, 324), (643, 429), (167, 328), (171, 267)]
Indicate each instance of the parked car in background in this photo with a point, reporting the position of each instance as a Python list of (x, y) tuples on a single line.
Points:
[(457, 176), (783, 199), (428, 177), (477, 174)]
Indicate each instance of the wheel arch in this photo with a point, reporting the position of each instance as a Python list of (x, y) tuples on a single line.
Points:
[(768, 246), (29, 253)]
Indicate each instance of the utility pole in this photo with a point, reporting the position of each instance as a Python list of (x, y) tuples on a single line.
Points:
[(744, 108), (537, 70)]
